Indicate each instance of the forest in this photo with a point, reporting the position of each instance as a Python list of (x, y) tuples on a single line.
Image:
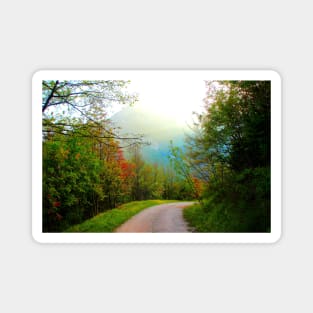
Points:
[(230, 152), (91, 166)]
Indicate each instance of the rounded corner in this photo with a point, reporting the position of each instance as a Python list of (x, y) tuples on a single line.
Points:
[(37, 75), (276, 75), (36, 238), (276, 238)]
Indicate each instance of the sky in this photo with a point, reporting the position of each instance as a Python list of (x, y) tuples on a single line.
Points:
[(173, 98)]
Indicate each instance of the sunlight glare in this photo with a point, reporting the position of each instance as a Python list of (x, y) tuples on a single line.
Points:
[(176, 99)]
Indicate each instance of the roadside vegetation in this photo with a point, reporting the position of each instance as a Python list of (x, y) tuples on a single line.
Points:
[(89, 165), (90, 168), (196, 218), (230, 152), (108, 221)]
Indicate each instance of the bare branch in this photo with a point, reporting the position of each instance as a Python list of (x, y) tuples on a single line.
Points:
[(46, 104)]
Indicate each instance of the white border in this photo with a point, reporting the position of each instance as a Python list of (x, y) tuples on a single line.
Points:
[(276, 149)]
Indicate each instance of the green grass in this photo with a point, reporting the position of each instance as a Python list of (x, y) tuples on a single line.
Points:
[(204, 221), (106, 222), (196, 218), (219, 219)]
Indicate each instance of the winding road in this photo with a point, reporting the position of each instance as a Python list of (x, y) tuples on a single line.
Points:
[(164, 218)]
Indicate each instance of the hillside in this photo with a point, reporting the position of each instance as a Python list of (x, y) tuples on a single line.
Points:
[(158, 129)]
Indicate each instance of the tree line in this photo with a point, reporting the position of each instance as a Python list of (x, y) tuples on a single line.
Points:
[(85, 170), (89, 167), (230, 151)]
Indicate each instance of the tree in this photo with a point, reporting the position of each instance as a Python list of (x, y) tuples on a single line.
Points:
[(126, 175), (191, 186), (230, 150), (84, 95), (86, 101), (83, 168), (71, 181), (137, 181)]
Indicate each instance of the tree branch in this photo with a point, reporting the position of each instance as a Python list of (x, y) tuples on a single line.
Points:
[(50, 96)]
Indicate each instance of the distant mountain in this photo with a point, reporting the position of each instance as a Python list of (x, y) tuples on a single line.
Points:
[(158, 129)]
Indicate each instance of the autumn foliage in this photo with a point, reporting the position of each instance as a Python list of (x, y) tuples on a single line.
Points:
[(86, 169)]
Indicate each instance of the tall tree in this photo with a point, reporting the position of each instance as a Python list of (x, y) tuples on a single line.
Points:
[(83, 95), (81, 173), (183, 168), (88, 101), (231, 150)]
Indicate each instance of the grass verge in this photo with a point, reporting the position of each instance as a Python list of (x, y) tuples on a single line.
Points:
[(220, 220), (196, 218), (107, 221)]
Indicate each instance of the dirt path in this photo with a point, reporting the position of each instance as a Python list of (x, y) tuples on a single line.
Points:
[(164, 218)]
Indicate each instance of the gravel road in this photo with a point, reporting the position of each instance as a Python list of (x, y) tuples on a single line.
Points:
[(164, 218)]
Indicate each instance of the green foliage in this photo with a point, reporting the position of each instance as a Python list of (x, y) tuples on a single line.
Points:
[(89, 98), (227, 164), (196, 218), (230, 151), (152, 181), (185, 181), (84, 169), (108, 221), (70, 181), (82, 175)]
